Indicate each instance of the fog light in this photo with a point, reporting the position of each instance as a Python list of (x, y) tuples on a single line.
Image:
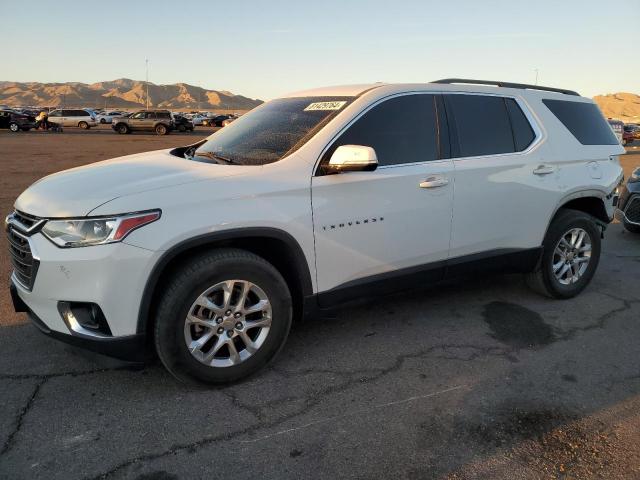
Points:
[(84, 318)]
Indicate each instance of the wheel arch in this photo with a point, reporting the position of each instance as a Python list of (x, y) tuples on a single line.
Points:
[(590, 202), (276, 246)]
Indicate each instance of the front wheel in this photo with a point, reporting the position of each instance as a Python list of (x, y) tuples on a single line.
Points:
[(161, 129), (223, 316), (571, 252), (182, 128), (83, 125), (103, 121), (14, 127), (122, 129)]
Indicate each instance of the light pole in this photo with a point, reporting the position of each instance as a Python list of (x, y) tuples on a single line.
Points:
[(146, 62)]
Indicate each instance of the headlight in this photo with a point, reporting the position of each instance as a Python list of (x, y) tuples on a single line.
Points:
[(82, 232)]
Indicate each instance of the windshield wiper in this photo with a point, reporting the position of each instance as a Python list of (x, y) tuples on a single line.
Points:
[(216, 156)]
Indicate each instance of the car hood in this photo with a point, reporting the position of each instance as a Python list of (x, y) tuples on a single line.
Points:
[(78, 191)]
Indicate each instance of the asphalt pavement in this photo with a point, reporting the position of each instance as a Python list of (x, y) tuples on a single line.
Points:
[(478, 378)]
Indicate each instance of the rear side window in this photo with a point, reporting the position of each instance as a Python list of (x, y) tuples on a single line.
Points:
[(584, 121), (401, 130), (481, 123), (523, 134)]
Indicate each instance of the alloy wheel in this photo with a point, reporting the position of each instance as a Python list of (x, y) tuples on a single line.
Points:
[(571, 256), (228, 323)]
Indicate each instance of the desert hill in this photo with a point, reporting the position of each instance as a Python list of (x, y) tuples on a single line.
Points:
[(622, 106), (121, 93)]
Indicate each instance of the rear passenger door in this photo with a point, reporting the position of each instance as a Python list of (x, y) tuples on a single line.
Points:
[(500, 202), (372, 227), (149, 121)]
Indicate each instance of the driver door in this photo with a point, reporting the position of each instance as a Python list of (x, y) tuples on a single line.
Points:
[(390, 228)]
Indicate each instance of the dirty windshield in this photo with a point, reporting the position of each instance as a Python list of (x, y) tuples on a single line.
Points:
[(271, 131)]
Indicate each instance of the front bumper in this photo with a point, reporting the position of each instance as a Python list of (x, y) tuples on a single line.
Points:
[(628, 210), (110, 276), (131, 348)]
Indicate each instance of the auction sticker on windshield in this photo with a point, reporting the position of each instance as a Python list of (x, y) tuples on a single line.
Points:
[(325, 106)]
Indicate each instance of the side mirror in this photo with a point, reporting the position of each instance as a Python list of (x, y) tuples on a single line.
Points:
[(352, 158)]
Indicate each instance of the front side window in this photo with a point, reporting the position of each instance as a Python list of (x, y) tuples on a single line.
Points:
[(481, 123), (401, 130), (271, 131)]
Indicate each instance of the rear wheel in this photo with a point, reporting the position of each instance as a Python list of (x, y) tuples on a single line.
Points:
[(122, 129), (161, 129), (182, 128), (103, 121), (83, 125), (14, 127), (223, 316), (571, 252)]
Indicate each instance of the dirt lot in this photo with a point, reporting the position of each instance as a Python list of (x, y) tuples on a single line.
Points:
[(26, 157), (477, 379)]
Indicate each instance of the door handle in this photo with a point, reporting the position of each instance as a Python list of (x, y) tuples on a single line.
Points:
[(544, 169), (434, 181)]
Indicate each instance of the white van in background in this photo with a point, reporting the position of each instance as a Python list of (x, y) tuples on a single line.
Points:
[(73, 118)]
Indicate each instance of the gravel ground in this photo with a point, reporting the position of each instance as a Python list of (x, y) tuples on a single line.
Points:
[(477, 379)]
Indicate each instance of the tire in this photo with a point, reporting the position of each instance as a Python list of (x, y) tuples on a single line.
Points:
[(14, 127), (630, 227), (182, 128), (161, 129), (122, 129), (544, 279), (103, 121), (83, 125), (205, 273)]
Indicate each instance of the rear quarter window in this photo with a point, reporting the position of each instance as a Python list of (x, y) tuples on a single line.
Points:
[(584, 121)]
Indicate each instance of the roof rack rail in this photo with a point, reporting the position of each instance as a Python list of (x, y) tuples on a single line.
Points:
[(506, 85)]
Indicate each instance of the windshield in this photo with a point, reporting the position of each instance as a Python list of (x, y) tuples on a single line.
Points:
[(271, 131)]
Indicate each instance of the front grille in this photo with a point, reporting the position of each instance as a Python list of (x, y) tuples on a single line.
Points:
[(27, 220), (25, 266), (632, 212)]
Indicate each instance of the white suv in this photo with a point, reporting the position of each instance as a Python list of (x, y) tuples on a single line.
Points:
[(306, 203)]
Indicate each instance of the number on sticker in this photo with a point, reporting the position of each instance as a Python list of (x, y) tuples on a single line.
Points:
[(325, 106)]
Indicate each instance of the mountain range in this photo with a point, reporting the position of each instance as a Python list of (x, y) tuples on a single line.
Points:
[(127, 93), (121, 93), (622, 106)]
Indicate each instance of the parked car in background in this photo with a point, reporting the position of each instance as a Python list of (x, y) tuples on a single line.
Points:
[(628, 211), (158, 121), (228, 121), (107, 117), (633, 129), (182, 124), (198, 119), (15, 121), (627, 136), (216, 121), (72, 118), (209, 251)]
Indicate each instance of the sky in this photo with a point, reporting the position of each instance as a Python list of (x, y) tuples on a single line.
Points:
[(262, 49)]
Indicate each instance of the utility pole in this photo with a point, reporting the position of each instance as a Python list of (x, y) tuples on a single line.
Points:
[(146, 62)]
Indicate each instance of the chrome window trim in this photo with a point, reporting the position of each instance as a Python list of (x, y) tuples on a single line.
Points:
[(526, 109)]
